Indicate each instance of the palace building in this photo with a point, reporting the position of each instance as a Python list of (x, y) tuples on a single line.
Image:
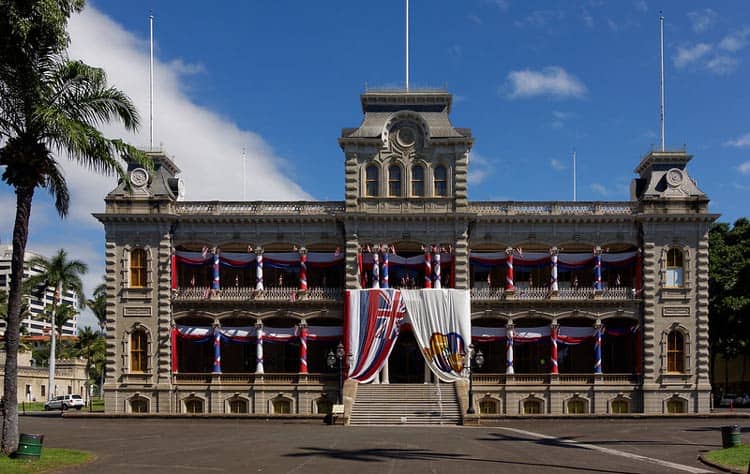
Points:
[(246, 307)]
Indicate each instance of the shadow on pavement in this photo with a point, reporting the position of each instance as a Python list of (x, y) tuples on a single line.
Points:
[(387, 454)]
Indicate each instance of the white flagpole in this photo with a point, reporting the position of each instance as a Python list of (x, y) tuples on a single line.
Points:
[(151, 82), (407, 45), (661, 77), (574, 174), (244, 175)]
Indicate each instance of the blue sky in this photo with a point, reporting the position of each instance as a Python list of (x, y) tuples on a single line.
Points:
[(533, 80)]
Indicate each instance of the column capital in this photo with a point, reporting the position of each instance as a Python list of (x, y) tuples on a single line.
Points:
[(509, 251), (554, 251), (259, 325), (303, 251), (598, 250), (258, 250), (302, 324)]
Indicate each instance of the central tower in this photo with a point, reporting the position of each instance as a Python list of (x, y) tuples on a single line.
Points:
[(406, 155)]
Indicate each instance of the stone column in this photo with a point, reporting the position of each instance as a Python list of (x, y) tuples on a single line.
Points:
[(259, 269), (554, 328), (598, 287), (303, 270), (259, 348), (553, 284), (436, 270), (598, 348), (217, 350), (303, 347), (384, 373), (509, 349)]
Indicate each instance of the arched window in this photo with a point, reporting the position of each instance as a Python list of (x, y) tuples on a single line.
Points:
[(675, 351), (394, 180), (532, 407), (488, 406), (620, 406), (237, 405), (282, 405), (676, 405), (194, 405), (138, 405), (138, 268), (576, 406), (138, 351), (417, 181), (441, 181), (675, 267), (371, 180)]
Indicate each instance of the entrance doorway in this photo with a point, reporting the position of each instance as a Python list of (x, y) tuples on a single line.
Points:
[(406, 363)]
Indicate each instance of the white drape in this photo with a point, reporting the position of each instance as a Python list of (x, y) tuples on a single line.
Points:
[(441, 320)]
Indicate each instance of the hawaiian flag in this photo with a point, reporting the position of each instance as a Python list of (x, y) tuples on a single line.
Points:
[(374, 318)]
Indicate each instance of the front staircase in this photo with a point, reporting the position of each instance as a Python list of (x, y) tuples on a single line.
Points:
[(405, 404)]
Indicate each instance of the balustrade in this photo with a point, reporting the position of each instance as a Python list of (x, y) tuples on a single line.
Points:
[(240, 293), (250, 378)]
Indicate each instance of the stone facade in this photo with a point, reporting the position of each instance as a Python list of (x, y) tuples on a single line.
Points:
[(71, 377), (406, 185)]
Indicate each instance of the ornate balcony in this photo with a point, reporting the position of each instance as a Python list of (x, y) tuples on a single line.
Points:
[(239, 293), (559, 379), (618, 293), (251, 378)]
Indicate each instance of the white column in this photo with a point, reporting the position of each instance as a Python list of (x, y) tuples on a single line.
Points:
[(259, 349), (384, 375), (427, 373)]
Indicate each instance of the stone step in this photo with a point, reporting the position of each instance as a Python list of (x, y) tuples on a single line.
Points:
[(399, 404)]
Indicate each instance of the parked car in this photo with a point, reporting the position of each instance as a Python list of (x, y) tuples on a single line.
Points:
[(742, 401), (63, 402)]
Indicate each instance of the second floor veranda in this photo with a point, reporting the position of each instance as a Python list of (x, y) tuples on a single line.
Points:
[(510, 274)]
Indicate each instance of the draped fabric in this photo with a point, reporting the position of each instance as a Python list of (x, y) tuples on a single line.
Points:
[(574, 335), (482, 334), (440, 319), (373, 319), (566, 262), (194, 333), (534, 334)]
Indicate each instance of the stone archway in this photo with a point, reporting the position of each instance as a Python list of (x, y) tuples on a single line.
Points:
[(406, 363)]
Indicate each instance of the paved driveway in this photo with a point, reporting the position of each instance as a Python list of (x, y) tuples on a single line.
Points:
[(523, 446)]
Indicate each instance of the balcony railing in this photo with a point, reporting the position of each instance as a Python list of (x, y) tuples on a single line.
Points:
[(552, 208), (239, 293), (260, 208), (561, 379), (543, 292), (249, 379)]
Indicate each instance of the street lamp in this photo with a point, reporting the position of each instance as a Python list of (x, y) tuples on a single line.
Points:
[(332, 359), (476, 358)]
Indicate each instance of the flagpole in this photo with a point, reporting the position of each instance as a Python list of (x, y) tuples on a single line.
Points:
[(574, 174), (151, 82), (407, 45), (244, 175), (661, 77)]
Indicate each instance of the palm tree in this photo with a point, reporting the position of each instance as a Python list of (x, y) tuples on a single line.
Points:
[(49, 107), (90, 345), (98, 306), (63, 275)]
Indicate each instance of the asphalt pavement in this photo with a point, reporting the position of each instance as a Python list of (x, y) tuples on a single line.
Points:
[(515, 446)]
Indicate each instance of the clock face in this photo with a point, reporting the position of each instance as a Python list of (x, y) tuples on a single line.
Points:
[(406, 136), (139, 177), (674, 177)]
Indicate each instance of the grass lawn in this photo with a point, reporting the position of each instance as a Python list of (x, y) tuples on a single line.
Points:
[(738, 457), (51, 459)]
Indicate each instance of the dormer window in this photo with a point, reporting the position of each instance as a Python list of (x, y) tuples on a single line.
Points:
[(417, 181), (441, 181), (394, 181), (675, 268), (371, 181)]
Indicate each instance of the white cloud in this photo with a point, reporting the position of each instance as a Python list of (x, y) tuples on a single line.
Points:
[(206, 146), (540, 18), (479, 168), (588, 20), (617, 190), (475, 19), (557, 164), (640, 5), (721, 65), (690, 54), (501, 4), (552, 81), (735, 41), (739, 142), (744, 168), (702, 20)]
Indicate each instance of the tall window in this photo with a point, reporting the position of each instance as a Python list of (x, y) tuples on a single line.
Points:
[(620, 406), (576, 406), (371, 180), (237, 405), (281, 405), (394, 180), (674, 267), (138, 351), (675, 351), (676, 406), (532, 407), (138, 268), (417, 181), (441, 181)]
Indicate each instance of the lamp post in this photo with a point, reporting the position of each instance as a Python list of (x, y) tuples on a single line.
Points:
[(478, 359), (337, 358)]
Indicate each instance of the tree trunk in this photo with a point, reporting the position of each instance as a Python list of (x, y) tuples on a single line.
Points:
[(24, 196), (52, 349)]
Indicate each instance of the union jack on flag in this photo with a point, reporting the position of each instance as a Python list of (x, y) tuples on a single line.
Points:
[(374, 319)]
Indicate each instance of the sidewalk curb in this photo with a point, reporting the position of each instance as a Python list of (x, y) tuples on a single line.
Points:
[(720, 467)]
